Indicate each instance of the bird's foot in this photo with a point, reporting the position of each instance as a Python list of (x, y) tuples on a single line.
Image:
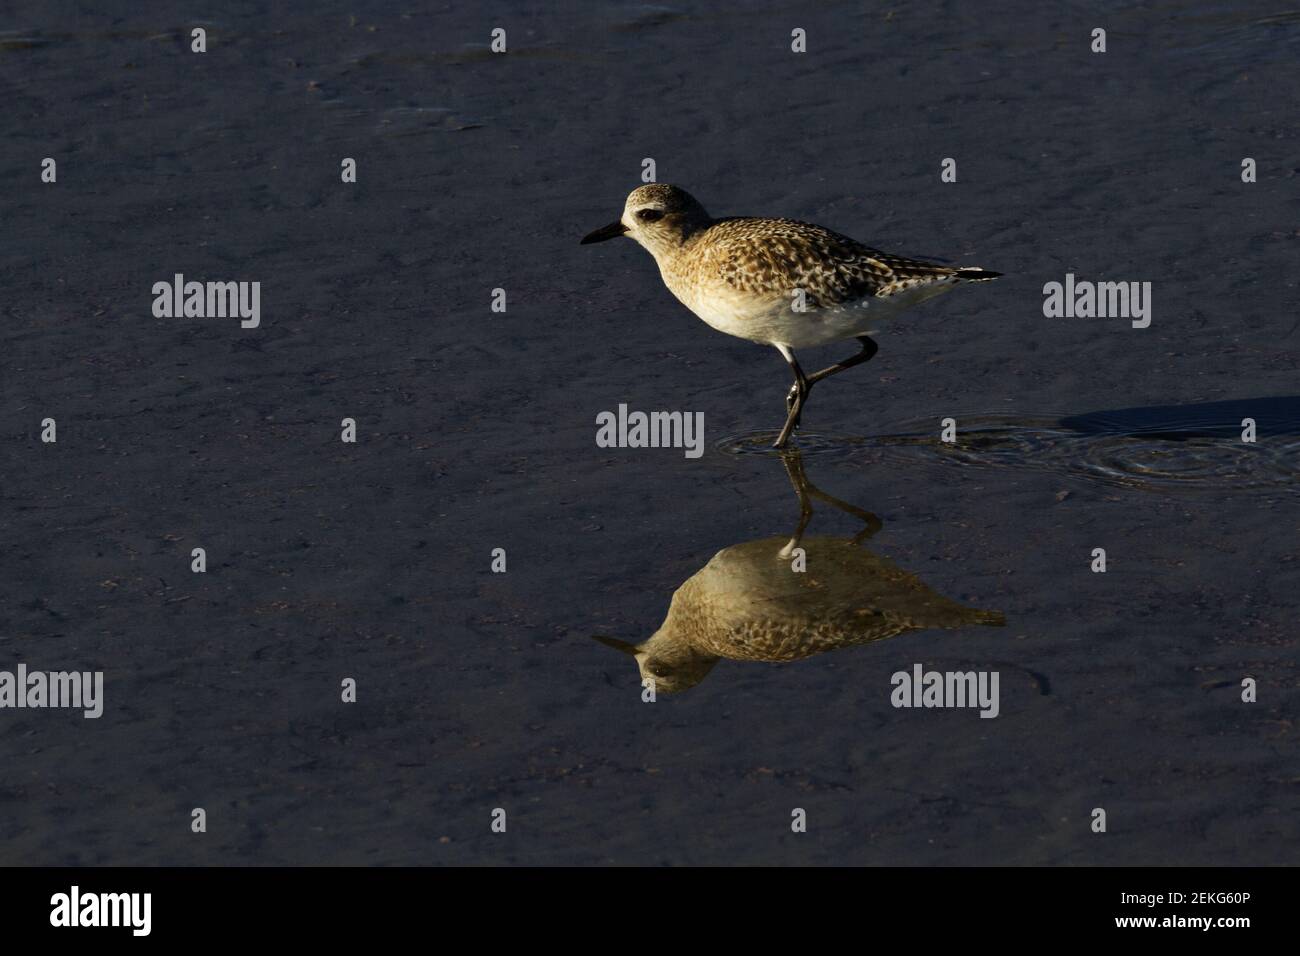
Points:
[(791, 397)]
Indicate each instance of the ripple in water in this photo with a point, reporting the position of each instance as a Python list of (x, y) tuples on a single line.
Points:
[(1195, 458)]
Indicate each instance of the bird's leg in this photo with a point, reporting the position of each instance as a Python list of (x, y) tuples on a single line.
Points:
[(794, 470), (806, 491), (871, 521), (791, 397), (799, 390), (798, 394), (869, 349)]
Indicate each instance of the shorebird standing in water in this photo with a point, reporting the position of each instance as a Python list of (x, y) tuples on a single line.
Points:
[(777, 281)]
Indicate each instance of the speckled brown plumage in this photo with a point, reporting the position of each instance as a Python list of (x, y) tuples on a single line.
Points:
[(750, 604), (771, 257), (779, 282), (782, 600)]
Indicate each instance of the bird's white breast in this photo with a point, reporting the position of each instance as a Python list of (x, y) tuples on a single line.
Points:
[(773, 320)]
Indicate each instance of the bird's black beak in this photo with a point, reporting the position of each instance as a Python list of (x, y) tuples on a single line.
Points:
[(612, 231), (618, 645)]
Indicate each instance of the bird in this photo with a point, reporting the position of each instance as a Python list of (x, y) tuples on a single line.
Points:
[(751, 603), (778, 282)]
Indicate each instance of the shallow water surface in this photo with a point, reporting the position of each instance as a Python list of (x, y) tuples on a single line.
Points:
[(476, 430)]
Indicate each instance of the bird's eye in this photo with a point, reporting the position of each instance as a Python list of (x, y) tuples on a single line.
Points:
[(649, 215)]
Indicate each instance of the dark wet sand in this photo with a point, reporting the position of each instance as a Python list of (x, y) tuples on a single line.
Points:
[(371, 560)]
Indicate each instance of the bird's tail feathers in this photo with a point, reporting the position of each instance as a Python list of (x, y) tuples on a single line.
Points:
[(976, 274)]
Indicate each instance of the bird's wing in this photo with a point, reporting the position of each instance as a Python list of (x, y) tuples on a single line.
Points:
[(777, 256)]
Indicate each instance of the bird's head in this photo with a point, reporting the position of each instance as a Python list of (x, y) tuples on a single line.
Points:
[(672, 664), (658, 216)]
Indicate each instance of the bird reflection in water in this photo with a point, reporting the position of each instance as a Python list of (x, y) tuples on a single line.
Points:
[(751, 603)]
